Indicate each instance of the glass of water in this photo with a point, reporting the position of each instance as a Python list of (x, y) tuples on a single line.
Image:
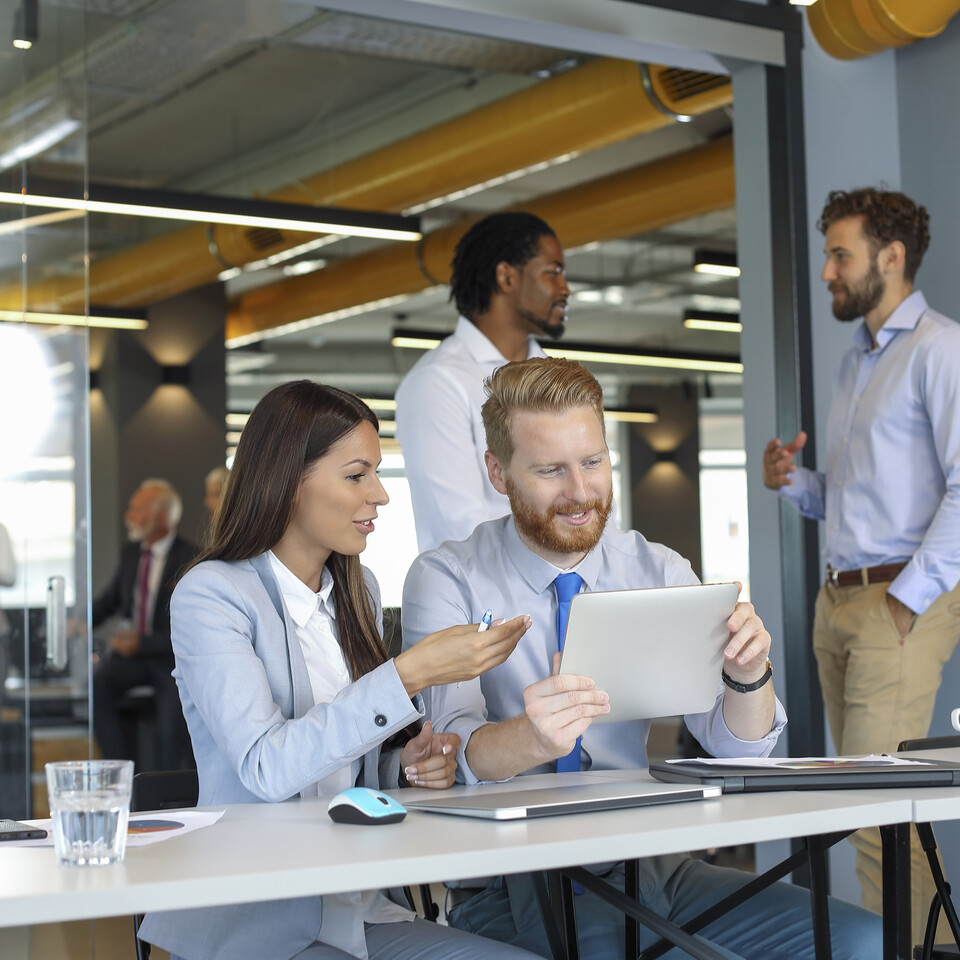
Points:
[(90, 806)]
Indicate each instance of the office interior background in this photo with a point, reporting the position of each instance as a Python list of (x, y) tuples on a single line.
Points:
[(652, 136)]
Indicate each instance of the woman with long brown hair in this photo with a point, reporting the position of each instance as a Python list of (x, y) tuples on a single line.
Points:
[(286, 686)]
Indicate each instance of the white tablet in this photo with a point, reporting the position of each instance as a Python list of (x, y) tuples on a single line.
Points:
[(656, 652)]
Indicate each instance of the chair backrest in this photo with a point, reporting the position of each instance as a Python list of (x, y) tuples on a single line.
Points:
[(164, 790), (160, 790)]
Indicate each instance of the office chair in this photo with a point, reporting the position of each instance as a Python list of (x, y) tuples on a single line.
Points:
[(941, 899), (160, 790)]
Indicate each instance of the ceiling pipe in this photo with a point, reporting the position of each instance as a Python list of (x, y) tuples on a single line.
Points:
[(636, 201), (599, 103), (849, 29)]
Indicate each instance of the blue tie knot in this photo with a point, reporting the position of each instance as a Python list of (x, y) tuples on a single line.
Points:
[(568, 586)]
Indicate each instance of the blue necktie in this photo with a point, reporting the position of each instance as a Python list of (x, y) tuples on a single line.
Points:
[(568, 586)]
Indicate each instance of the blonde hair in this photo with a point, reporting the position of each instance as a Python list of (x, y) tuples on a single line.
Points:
[(540, 385)]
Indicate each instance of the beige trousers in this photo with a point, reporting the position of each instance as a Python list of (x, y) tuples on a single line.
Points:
[(879, 688)]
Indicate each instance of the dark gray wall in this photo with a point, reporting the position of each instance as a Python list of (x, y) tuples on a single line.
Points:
[(141, 427), (665, 493)]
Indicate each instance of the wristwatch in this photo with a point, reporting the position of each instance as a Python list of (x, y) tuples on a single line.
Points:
[(748, 687)]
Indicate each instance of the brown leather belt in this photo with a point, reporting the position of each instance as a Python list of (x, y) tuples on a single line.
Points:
[(883, 573)]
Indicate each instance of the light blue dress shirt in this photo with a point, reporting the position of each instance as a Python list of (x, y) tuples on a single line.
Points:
[(458, 581), (891, 491)]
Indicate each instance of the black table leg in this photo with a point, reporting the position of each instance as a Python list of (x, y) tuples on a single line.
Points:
[(817, 861), (896, 891), (631, 886), (549, 910)]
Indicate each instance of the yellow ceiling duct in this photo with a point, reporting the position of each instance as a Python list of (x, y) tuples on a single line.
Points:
[(635, 201), (602, 102), (848, 29)]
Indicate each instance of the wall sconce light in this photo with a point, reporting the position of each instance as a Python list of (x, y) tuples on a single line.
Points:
[(26, 25), (666, 456), (711, 320), (716, 263), (94, 379), (176, 374)]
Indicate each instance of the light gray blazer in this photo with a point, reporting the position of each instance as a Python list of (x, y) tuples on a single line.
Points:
[(258, 736)]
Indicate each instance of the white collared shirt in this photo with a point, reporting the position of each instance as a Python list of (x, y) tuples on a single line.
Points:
[(315, 617), (158, 560), (441, 432)]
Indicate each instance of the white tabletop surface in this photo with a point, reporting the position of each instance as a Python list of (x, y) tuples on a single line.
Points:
[(273, 851)]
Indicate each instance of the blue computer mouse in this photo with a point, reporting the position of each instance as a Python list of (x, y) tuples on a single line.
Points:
[(363, 805)]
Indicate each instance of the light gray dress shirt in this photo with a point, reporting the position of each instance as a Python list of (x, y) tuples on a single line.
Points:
[(458, 581), (441, 433), (891, 491)]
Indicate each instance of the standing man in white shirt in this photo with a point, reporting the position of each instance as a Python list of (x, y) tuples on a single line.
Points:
[(140, 651), (888, 615), (509, 285)]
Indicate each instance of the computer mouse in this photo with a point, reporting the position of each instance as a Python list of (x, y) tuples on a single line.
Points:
[(363, 805)]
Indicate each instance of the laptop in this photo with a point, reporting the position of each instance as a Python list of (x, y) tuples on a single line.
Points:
[(657, 652), (490, 804), (811, 773)]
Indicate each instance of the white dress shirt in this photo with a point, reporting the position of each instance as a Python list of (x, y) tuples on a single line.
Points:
[(891, 490), (314, 616), (441, 433), (158, 560)]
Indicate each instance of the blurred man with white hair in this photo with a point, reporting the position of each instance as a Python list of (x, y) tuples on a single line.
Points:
[(140, 652)]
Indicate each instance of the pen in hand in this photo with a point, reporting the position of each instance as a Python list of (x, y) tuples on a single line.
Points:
[(485, 622)]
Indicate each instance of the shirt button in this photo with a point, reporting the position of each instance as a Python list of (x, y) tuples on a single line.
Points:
[(380, 720)]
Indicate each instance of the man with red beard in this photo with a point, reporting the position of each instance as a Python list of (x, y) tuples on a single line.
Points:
[(546, 451), (887, 617)]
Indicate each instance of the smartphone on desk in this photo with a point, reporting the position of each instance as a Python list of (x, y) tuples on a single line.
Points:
[(15, 830)]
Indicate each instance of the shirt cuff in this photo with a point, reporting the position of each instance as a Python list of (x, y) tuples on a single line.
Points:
[(915, 589), (723, 743)]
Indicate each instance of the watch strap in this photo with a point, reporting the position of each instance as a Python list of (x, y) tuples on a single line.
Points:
[(747, 687)]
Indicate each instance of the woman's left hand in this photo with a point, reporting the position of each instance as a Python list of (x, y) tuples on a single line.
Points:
[(430, 759)]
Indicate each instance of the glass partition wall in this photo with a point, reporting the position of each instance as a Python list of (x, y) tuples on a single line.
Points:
[(45, 645)]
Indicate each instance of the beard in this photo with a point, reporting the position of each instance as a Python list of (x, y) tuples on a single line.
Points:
[(136, 534), (554, 330), (860, 299), (540, 529)]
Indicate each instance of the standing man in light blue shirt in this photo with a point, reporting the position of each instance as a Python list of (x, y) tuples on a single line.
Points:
[(887, 617), (548, 454)]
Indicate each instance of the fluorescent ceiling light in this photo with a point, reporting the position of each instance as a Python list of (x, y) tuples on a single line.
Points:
[(40, 220), (716, 263), (723, 458), (712, 320), (380, 403), (488, 184), (663, 361), (297, 325), (210, 208), (589, 353), (803, 3), (631, 416), (103, 319)]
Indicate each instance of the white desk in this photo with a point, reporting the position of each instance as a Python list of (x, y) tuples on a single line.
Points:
[(274, 851)]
